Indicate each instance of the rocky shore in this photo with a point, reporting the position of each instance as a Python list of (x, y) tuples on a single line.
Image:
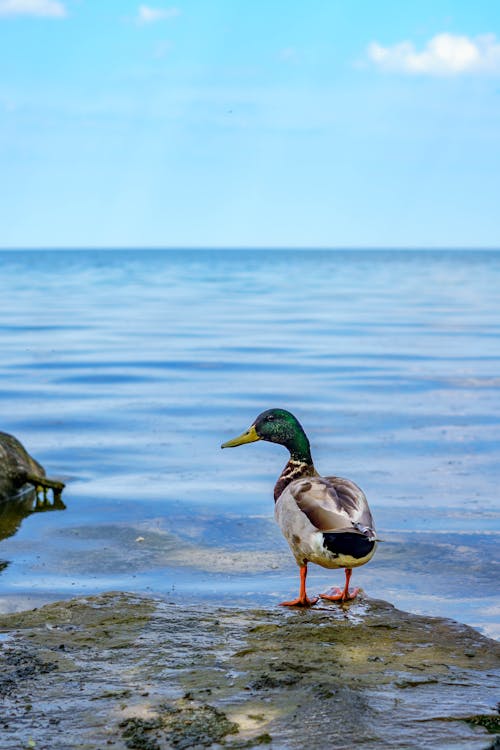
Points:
[(126, 671)]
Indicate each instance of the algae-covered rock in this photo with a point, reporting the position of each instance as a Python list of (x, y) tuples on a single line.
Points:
[(183, 724), (18, 468), (126, 671)]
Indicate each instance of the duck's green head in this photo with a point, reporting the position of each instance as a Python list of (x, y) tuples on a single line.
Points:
[(276, 426)]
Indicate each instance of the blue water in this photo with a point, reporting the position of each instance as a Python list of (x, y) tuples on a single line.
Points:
[(123, 371)]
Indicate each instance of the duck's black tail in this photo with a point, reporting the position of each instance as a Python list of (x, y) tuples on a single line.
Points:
[(348, 543)]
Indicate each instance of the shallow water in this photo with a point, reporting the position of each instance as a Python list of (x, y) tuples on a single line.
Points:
[(124, 371)]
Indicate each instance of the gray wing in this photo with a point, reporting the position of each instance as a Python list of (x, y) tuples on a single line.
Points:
[(333, 503)]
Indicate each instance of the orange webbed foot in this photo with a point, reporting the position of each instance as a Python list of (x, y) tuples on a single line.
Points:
[(300, 602), (339, 595)]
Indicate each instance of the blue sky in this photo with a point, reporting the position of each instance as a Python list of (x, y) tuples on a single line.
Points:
[(263, 123)]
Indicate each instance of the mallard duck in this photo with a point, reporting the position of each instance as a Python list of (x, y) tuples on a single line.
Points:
[(325, 520)]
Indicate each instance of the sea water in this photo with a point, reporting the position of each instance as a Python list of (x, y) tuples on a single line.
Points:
[(123, 371)]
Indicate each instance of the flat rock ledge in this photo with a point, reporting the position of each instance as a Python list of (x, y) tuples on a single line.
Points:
[(125, 671)]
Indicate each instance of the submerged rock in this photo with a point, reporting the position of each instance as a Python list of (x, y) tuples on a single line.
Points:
[(16, 509), (130, 672), (18, 468)]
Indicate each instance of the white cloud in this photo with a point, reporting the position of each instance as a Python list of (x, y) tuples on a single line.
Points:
[(146, 14), (40, 8), (444, 54)]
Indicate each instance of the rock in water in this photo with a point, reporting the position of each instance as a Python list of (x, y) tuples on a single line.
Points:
[(18, 468)]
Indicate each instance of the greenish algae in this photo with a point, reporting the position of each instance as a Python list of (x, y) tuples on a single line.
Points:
[(489, 722), (183, 724)]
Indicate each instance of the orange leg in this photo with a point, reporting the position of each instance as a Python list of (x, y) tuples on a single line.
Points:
[(302, 600), (336, 595)]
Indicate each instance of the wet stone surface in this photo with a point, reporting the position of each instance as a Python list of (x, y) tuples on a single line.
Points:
[(125, 671), (19, 471)]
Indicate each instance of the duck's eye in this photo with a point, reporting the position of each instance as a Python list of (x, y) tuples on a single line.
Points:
[(270, 418)]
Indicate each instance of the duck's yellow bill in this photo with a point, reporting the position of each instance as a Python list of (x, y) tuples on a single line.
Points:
[(250, 436)]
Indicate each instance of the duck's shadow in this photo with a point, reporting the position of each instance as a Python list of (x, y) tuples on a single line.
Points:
[(13, 510)]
